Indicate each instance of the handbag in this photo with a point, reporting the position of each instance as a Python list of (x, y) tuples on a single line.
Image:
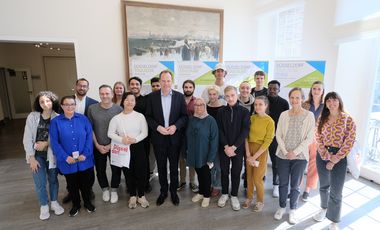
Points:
[(120, 154), (354, 160)]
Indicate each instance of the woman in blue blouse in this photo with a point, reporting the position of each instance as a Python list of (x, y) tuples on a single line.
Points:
[(202, 146), (71, 141)]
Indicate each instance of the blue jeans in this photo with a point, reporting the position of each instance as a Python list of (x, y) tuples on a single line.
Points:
[(40, 181), (293, 170), (331, 187), (216, 181)]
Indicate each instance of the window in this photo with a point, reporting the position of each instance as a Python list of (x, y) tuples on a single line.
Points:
[(290, 32)]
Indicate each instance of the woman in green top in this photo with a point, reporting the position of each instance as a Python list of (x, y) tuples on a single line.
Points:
[(261, 133)]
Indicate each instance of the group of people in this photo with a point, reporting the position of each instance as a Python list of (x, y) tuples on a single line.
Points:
[(215, 135)]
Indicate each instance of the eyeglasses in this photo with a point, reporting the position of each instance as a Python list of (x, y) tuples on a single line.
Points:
[(68, 105)]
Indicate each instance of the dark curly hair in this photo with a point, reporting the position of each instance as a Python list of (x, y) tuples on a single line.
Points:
[(53, 98)]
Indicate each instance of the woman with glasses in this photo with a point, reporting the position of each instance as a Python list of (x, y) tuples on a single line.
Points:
[(71, 140), (39, 154), (202, 147)]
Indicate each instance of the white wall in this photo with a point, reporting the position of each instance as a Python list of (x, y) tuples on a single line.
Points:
[(356, 83), (96, 28)]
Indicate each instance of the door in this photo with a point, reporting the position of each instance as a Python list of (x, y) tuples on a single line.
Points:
[(61, 74), (20, 92)]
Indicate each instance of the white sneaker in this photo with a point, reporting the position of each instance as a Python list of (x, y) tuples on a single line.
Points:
[(222, 200), (143, 202), (205, 202), (197, 198), (235, 203), (292, 216), (333, 226), (279, 213), (276, 193), (58, 210), (106, 195), (44, 212), (320, 216), (114, 197), (132, 202)]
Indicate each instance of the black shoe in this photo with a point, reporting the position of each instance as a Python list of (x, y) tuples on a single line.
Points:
[(305, 196), (74, 211), (90, 208), (92, 195), (148, 188), (175, 199), (66, 199), (161, 199), (181, 186)]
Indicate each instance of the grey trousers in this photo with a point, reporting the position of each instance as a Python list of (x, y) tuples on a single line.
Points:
[(331, 187)]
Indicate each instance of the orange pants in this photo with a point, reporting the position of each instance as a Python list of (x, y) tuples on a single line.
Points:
[(255, 175), (312, 173)]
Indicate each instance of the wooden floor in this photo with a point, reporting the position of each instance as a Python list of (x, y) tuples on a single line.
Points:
[(19, 205)]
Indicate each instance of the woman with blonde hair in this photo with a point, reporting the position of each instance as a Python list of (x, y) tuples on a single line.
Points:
[(295, 131), (314, 104), (118, 92)]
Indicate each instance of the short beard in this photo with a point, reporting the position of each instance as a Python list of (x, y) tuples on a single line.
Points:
[(188, 94)]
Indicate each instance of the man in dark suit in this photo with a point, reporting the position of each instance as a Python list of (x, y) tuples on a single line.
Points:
[(166, 115), (82, 101)]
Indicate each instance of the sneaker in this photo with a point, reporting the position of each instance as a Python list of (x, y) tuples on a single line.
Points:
[(292, 216), (74, 211), (333, 226), (44, 212), (279, 213), (132, 202), (143, 202), (58, 210), (215, 192), (320, 216), (181, 186), (235, 204), (246, 204), (275, 191), (258, 207), (305, 196), (106, 195), (222, 200), (114, 197), (205, 202), (194, 188), (197, 198), (90, 208)]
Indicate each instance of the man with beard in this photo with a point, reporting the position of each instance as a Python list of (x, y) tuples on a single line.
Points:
[(277, 105), (188, 87), (82, 102), (134, 85)]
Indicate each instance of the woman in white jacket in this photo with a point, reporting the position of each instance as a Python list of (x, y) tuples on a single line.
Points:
[(295, 131), (39, 154)]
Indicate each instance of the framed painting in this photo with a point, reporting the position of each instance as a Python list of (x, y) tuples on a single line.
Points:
[(160, 32)]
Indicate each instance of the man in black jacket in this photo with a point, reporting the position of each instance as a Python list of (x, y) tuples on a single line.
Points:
[(277, 105), (233, 123), (166, 115)]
